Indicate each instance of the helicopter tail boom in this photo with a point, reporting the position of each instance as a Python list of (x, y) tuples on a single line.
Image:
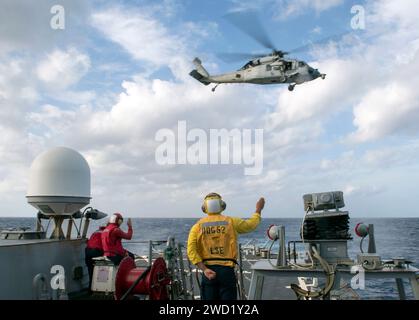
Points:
[(200, 73)]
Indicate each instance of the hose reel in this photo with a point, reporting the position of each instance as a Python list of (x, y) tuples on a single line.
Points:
[(151, 281)]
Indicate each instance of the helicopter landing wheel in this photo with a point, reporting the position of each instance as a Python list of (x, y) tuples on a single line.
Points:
[(291, 87)]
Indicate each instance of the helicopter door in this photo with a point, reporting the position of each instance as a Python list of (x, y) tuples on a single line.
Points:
[(271, 73), (288, 66), (278, 71)]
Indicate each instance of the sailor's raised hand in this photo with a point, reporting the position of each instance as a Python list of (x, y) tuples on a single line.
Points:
[(260, 205), (129, 222)]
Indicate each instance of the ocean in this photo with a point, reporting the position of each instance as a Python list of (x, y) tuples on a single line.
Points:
[(395, 237)]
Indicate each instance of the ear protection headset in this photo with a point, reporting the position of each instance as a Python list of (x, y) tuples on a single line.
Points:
[(115, 217), (210, 198)]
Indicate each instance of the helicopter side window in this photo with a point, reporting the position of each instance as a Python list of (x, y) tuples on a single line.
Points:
[(277, 67), (301, 64), (268, 67)]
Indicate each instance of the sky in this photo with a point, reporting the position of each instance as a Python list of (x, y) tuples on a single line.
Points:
[(119, 72)]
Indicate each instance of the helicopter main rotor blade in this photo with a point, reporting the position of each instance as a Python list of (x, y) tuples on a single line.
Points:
[(321, 41), (237, 56), (249, 23)]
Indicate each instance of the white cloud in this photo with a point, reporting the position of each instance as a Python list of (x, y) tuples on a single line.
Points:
[(390, 104), (292, 8), (402, 13), (321, 99), (18, 94), (61, 69), (143, 36), (362, 190), (372, 161), (283, 9), (25, 36), (245, 5), (18, 91), (383, 111)]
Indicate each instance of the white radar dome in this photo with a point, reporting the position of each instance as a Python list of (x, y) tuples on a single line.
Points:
[(59, 182)]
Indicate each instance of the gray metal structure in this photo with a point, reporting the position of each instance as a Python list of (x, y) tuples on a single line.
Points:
[(262, 270), (26, 261), (327, 249)]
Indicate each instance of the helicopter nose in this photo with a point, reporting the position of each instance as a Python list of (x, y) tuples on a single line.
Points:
[(318, 73), (314, 73)]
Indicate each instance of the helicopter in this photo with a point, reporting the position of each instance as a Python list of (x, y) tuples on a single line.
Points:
[(272, 68)]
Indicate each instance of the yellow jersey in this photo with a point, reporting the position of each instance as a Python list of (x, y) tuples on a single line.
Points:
[(213, 239)]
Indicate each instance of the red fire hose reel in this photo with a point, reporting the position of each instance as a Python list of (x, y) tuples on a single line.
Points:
[(154, 280)]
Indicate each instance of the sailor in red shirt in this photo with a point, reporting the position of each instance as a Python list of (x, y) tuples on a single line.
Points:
[(93, 250), (112, 239)]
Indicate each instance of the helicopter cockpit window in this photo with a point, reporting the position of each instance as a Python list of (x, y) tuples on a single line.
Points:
[(247, 65), (301, 64)]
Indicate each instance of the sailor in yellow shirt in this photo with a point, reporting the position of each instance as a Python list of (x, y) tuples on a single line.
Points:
[(212, 247)]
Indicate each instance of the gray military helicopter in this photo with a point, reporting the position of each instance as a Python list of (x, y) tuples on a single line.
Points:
[(272, 68)]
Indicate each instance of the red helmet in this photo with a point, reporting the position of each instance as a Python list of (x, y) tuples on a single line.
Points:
[(115, 217)]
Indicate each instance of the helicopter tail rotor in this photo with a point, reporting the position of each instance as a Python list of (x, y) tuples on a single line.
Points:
[(200, 73), (199, 67)]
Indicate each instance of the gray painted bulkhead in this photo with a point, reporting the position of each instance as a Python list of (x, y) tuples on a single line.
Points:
[(22, 260)]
